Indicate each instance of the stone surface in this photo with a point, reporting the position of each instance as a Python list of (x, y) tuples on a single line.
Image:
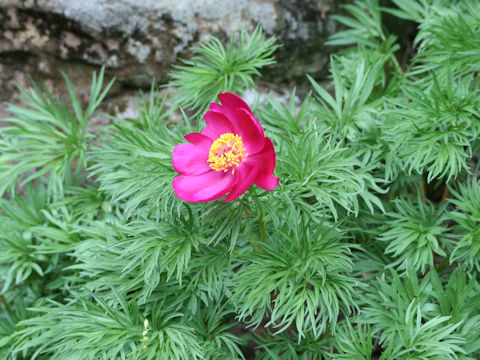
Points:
[(141, 39)]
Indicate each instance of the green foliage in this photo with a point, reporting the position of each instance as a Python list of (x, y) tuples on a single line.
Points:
[(217, 68), (354, 344), (431, 128), (322, 174), (45, 136), (447, 36), (133, 163), (424, 319), (364, 23), (350, 111), (17, 239), (467, 218), (428, 340), (287, 346), (298, 280), (369, 248), (414, 233), (114, 332), (365, 29)]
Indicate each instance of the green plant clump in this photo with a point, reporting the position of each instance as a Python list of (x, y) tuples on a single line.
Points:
[(369, 248)]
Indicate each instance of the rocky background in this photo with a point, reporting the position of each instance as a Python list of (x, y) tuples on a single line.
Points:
[(138, 40)]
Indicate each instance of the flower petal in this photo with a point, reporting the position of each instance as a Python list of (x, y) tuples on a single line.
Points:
[(202, 188), (200, 140), (231, 103), (188, 159), (217, 124), (251, 134), (245, 176), (267, 182), (265, 161)]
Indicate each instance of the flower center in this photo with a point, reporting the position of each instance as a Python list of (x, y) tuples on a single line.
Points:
[(227, 152)]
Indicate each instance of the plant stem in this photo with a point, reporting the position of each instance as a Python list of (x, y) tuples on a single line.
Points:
[(445, 194), (442, 265), (5, 305), (392, 55), (423, 193), (261, 226), (261, 223), (254, 246)]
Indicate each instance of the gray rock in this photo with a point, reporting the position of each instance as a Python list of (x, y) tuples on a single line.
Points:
[(141, 39)]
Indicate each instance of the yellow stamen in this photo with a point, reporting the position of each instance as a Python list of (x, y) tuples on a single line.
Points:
[(227, 152)]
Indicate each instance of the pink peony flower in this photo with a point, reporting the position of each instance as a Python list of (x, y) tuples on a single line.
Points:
[(228, 156)]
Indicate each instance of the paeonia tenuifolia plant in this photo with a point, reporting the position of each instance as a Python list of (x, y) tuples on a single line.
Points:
[(341, 221)]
